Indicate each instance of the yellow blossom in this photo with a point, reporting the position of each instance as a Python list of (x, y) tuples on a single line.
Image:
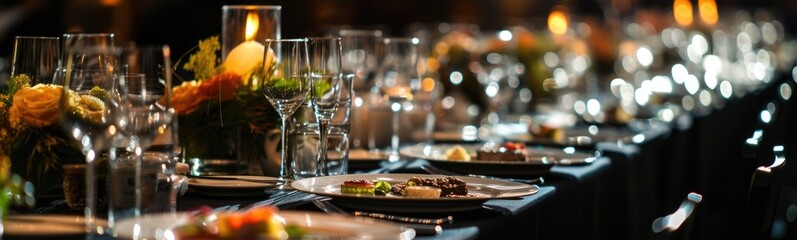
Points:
[(36, 106)]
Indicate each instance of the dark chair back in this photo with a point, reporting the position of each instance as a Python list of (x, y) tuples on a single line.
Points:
[(678, 223), (762, 197)]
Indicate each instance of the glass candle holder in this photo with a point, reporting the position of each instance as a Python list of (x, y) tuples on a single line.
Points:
[(244, 25)]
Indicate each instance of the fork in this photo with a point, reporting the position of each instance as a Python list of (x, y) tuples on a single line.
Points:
[(419, 225), (434, 170)]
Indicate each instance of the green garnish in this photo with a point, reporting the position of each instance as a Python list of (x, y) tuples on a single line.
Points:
[(357, 190), (295, 232), (381, 188), (413, 181)]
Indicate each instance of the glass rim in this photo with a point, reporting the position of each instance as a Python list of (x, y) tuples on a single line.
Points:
[(250, 7), (89, 34), (287, 40), (413, 40), (360, 32), (324, 38), (36, 37)]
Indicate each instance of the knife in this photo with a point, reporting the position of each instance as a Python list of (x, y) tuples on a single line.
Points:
[(238, 178), (405, 219), (423, 229)]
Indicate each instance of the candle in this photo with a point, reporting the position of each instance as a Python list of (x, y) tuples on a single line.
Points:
[(558, 24), (708, 11), (682, 12), (246, 56)]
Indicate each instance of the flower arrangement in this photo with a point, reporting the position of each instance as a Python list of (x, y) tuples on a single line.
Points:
[(31, 138), (223, 107)]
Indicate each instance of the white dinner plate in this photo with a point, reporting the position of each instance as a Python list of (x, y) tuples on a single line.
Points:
[(483, 189), (316, 225), (235, 186), (539, 162), (45, 226)]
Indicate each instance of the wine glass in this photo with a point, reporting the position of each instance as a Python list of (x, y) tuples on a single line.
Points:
[(286, 85), (359, 61), (36, 57), (89, 106), (397, 80), (144, 75), (326, 76), (498, 74)]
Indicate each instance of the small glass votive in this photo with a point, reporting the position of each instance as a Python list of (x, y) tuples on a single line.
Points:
[(36, 57), (304, 137)]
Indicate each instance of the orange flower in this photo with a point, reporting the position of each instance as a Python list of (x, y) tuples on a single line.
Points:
[(186, 97), (221, 86), (36, 106)]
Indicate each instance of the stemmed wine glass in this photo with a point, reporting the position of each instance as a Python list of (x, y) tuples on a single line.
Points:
[(286, 85), (326, 75), (359, 60), (144, 74), (398, 80), (89, 106)]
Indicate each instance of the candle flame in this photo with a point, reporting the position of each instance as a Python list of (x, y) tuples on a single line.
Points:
[(708, 11), (252, 23), (682, 11), (557, 22)]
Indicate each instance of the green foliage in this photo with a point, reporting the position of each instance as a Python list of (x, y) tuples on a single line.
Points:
[(204, 61), (38, 154), (15, 84), (286, 84), (209, 131), (320, 87)]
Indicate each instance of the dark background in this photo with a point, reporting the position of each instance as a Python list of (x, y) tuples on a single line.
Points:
[(181, 23)]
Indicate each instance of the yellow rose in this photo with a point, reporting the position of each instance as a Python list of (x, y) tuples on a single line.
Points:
[(5, 165), (36, 106), (186, 97)]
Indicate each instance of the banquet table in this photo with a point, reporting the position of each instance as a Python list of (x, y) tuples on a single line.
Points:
[(616, 196)]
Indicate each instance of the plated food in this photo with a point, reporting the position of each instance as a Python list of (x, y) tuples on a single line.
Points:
[(262, 222), (507, 159), (420, 187), (509, 151), (455, 194)]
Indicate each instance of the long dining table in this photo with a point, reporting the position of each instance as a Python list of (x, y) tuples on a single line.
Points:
[(615, 196)]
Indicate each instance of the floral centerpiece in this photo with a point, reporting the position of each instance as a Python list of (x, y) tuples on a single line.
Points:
[(31, 135), (222, 111)]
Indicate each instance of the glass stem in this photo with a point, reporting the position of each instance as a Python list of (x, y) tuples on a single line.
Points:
[(90, 207), (285, 164), (321, 159), (394, 140), (137, 174)]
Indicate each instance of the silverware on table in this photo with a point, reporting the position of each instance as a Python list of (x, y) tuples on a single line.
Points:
[(256, 180), (422, 226)]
